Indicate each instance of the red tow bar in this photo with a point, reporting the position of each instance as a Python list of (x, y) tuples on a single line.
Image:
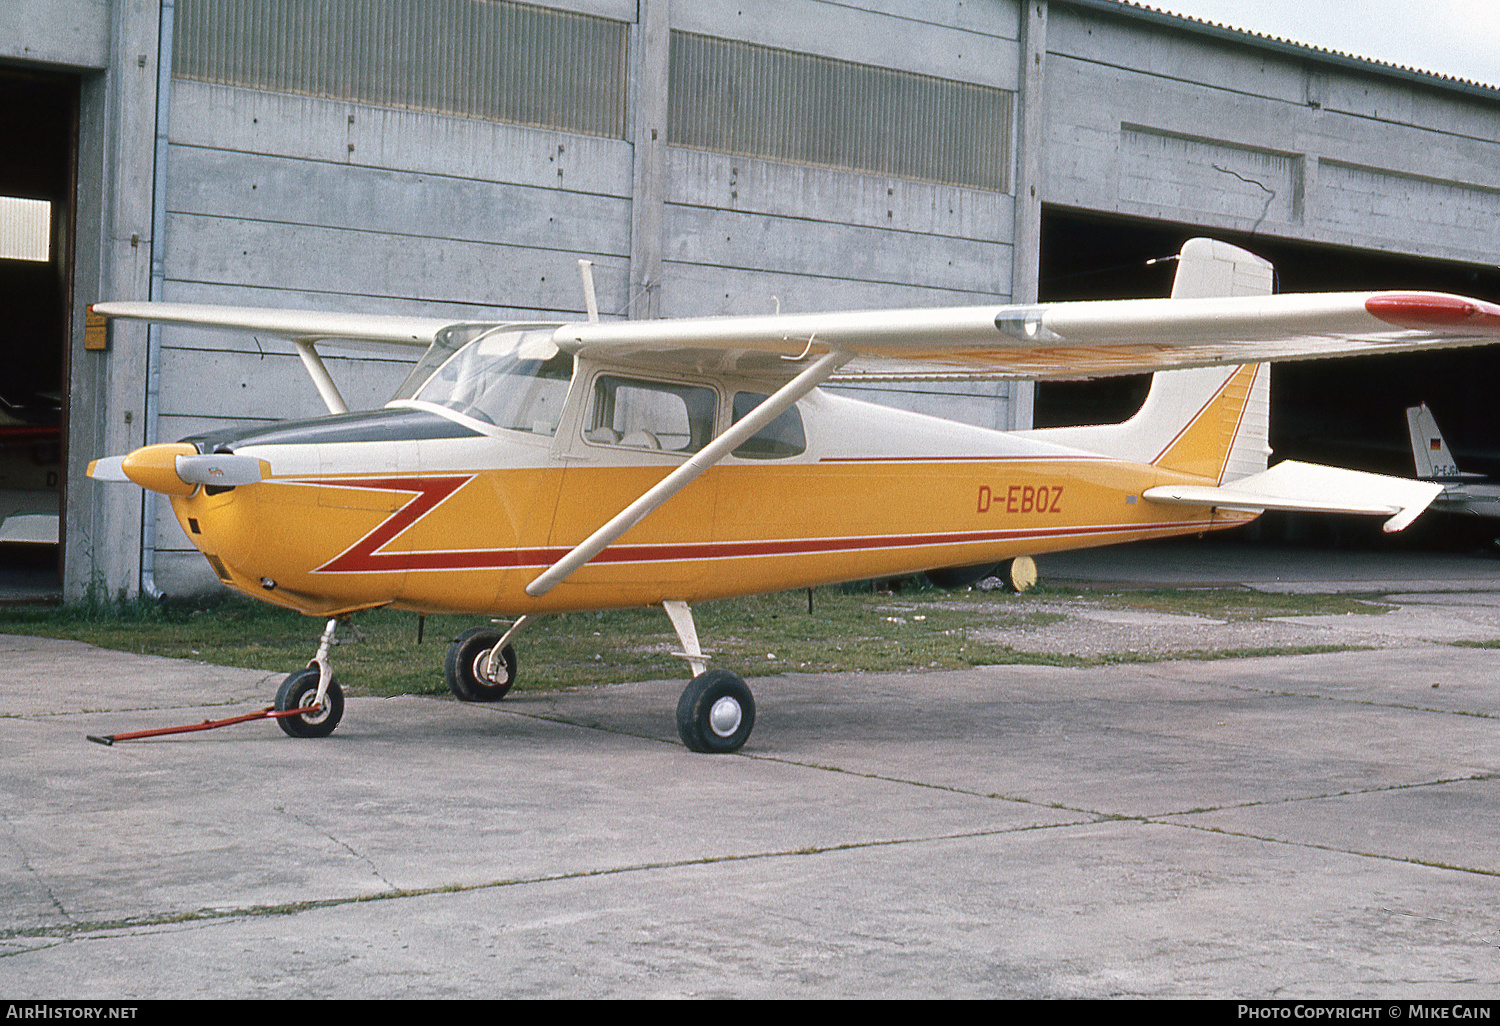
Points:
[(268, 713)]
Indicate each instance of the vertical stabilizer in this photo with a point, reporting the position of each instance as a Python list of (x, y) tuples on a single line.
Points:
[(1213, 422), (1429, 450)]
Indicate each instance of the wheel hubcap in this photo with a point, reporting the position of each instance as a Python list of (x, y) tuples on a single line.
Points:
[(319, 713), (480, 662), (724, 718)]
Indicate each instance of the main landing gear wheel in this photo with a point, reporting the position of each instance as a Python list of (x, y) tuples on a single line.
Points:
[(1019, 574), (298, 691), (464, 667), (715, 713)]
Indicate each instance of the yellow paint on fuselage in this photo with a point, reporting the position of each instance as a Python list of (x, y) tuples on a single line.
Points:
[(742, 528)]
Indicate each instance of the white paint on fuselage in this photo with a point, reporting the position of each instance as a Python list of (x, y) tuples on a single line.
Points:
[(837, 427)]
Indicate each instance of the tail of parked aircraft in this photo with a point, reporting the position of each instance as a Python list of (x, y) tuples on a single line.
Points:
[(1428, 449), (1212, 422)]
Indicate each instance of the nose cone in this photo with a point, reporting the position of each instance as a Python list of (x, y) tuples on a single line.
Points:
[(154, 467)]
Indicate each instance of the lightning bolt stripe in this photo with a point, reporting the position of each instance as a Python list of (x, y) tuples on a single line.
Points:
[(367, 556)]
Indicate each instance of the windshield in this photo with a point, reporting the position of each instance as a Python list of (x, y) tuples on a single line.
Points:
[(511, 379)]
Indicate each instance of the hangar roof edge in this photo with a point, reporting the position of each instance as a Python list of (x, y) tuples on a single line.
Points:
[(1132, 9)]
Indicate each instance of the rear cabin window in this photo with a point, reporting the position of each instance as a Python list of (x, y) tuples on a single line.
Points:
[(651, 415), (779, 439)]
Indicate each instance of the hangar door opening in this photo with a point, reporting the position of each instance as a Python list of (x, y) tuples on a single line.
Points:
[(38, 133), (1349, 413)]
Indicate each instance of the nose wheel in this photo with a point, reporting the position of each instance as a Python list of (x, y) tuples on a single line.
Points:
[(300, 691), (315, 691)]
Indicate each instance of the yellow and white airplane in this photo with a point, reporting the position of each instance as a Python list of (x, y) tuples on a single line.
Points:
[(526, 468)]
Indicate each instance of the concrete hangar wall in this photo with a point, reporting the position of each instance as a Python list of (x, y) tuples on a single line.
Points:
[(455, 157)]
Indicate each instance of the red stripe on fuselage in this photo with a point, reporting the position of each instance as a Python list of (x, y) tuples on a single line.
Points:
[(364, 556)]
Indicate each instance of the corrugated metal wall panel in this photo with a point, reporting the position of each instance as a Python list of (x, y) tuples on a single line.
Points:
[(487, 59), (737, 97), (25, 229)]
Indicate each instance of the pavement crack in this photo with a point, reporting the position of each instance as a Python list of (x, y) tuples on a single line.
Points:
[(25, 861), (131, 924), (1347, 792), (374, 869), (28, 949), (1094, 814), (1411, 860), (928, 785), (1342, 699)]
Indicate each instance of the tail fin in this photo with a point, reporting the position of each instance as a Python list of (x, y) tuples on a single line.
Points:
[(1213, 422), (1429, 451)]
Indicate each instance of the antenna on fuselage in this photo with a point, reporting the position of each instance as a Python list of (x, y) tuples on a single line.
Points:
[(590, 301)]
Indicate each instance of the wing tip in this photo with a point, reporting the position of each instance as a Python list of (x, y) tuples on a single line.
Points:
[(1434, 310)]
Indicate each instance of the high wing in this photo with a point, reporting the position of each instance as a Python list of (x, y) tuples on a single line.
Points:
[(1068, 340), (307, 325), (1044, 341), (303, 328)]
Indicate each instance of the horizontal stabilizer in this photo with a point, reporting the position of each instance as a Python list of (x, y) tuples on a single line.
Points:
[(1310, 488)]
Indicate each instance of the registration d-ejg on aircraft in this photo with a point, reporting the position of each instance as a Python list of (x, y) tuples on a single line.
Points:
[(1472, 494), (524, 469)]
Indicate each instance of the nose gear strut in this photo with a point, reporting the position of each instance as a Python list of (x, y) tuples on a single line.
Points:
[(322, 712), (310, 703)]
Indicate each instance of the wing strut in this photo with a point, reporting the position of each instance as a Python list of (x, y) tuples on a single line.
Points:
[(590, 301), (680, 478), (321, 379)]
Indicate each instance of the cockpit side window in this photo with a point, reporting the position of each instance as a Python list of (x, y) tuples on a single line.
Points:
[(779, 439), (652, 415)]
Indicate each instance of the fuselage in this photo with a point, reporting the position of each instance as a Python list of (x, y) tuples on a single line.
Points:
[(429, 507), (1477, 498)]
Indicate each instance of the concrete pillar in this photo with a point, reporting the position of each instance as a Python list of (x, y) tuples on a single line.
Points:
[(1026, 256), (649, 188), (117, 126)]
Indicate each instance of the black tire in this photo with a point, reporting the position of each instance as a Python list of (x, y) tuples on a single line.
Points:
[(696, 715), (462, 665), (299, 690)]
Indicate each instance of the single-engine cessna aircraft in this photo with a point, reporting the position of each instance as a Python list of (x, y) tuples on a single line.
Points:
[(1473, 494), (525, 468)]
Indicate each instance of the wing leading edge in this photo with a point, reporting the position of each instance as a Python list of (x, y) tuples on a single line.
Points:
[(1048, 341), (1072, 340), (307, 325)]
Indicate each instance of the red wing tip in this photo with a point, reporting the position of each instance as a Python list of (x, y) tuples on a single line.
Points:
[(1434, 310)]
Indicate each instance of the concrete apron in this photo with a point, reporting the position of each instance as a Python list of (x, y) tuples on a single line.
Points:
[(1292, 826)]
